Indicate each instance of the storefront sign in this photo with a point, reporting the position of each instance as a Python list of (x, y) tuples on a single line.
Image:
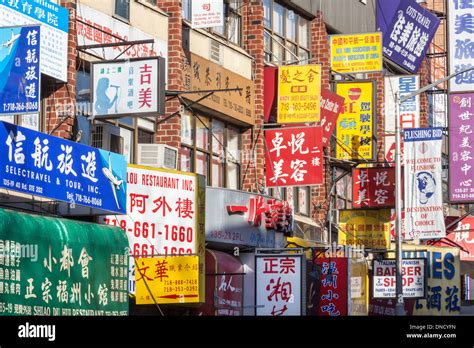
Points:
[(333, 290), (47, 166), (201, 74), (460, 44), (409, 110), (242, 218), (20, 70), (373, 187), (128, 87), (94, 27), (409, 35), (368, 228), (278, 285), (54, 21), (207, 13), (161, 213), (52, 266), (355, 126), (461, 141), (423, 199), (330, 107), (463, 236), (299, 93), (172, 279), (414, 278), (294, 157), (359, 285), (356, 53)]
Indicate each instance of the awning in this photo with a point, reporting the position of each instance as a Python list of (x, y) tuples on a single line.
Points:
[(295, 242), (306, 228), (84, 265)]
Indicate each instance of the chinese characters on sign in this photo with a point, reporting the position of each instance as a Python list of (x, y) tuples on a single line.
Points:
[(294, 157), (330, 107), (409, 110), (423, 198), (333, 287), (207, 13), (463, 235), (369, 228), (356, 53), (409, 35), (172, 279), (461, 142), (278, 285), (299, 93), (47, 166), (373, 187), (354, 130), (201, 74), (128, 87), (461, 53), (20, 70), (54, 21), (161, 214)]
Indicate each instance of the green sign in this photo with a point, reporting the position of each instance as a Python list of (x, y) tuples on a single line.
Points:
[(51, 266)]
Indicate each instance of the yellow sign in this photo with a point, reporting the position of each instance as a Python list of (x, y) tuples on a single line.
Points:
[(171, 279), (299, 92), (354, 129), (356, 53), (367, 228)]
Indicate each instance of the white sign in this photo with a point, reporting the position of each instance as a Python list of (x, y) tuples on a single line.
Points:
[(54, 21), (409, 110), (207, 13), (161, 214), (413, 271), (423, 199), (278, 284), (356, 287), (461, 38), (126, 87)]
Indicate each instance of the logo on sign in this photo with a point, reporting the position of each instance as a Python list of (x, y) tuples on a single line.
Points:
[(206, 7), (426, 186)]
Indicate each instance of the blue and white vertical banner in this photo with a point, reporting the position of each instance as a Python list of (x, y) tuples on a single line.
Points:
[(19, 70), (461, 42), (54, 21), (42, 165), (423, 197)]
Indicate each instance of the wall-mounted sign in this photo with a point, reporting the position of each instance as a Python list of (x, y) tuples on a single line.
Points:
[(331, 106), (128, 87), (172, 279), (355, 125), (294, 157), (20, 70), (201, 74), (414, 278), (333, 284), (47, 166), (461, 141), (373, 187), (54, 21), (207, 13), (299, 93), (278, 284), (463, 235), (356, 53)]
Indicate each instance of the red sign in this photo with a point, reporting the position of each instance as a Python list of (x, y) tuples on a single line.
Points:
[(333, 286), (294, 157), (463, 235), (373, 187), (331, 105)]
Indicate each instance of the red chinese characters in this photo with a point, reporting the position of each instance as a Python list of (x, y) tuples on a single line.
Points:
[(331, 105), (294, 157), (373, 187), (333, 287)]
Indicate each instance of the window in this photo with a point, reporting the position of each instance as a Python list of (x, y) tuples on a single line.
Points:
[(211, 147), (286, 36), (122, 9), (303, 200), (187, 10)]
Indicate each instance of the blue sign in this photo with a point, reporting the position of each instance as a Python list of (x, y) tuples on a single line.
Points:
[(19, 70), (47, 166), (409, 35)]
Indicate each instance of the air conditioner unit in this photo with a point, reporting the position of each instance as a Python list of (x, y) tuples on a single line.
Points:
[(158, 155), (107, 137)]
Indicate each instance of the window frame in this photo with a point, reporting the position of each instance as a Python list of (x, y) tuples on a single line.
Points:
[(117, 15)]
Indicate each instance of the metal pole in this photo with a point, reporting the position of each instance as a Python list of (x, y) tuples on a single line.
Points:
[(400, 305)]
